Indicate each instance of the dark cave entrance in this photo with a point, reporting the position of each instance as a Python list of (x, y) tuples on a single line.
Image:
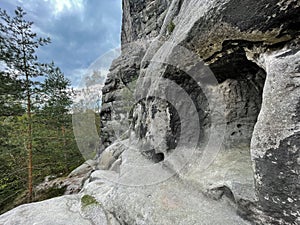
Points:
[(241, 83)]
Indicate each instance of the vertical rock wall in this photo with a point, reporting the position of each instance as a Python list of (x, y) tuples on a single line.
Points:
[(142, 21), (245, 44), (276, 139)]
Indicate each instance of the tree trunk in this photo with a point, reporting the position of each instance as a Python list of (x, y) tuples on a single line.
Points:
[(29, 143), (65, 144)]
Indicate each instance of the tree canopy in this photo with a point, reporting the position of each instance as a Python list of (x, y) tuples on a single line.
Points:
[(36, 126)]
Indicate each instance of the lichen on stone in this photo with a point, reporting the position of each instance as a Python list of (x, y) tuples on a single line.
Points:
[(171, 27), (88, 200)]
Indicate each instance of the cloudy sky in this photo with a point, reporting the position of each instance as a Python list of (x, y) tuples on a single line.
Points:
[(81, 30)]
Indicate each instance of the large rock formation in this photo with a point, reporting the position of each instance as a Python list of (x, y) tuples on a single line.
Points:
[(200, 120)]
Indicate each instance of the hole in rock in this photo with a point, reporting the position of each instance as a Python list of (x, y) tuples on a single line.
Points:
[(241, 83), (159, 157)]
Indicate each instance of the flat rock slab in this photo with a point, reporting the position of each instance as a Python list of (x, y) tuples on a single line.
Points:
[(66, 210), (172, 202), (168, 203)]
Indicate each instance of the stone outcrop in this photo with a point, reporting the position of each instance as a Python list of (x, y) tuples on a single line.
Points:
[(66, 185), (276, 139), (200, 119)]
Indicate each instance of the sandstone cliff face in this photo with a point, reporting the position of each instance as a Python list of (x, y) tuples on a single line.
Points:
[(200, 119), (245, 44)]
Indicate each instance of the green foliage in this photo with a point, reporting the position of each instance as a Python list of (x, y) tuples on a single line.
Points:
[(19, 42), (171, 27), (18, 50), (10, 91), (53, 154), (88, 200), (56, 94), (19, 46), (43, 87)]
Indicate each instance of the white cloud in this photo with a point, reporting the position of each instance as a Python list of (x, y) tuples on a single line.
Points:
[(61, 6), (57, 6), (80, 30)]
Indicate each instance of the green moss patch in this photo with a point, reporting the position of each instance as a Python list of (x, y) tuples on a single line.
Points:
[(88, 200), (171, 27)]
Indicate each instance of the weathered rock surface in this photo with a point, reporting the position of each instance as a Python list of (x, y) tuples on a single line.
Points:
[(109, 156), (239, 41), (219, 143), (166, 203), (61, 211), (276, 139), (67, 185)]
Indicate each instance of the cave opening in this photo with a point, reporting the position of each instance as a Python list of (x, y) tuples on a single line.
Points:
[(158, 157), (240, 83)]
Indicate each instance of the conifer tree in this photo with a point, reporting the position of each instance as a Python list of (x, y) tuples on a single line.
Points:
[(35, 101), (18, 49)]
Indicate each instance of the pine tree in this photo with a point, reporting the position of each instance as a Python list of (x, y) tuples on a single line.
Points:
[(10, 91), (18, 49), (57, 93), (35, 101)]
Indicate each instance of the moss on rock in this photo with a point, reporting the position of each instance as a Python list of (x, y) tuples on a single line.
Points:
[(88, 200), (171, 27)]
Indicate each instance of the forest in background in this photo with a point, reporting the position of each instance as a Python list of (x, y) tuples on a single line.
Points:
[(36, 132)]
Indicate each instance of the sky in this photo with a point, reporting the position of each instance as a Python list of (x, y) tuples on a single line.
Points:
[(81, 31)]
